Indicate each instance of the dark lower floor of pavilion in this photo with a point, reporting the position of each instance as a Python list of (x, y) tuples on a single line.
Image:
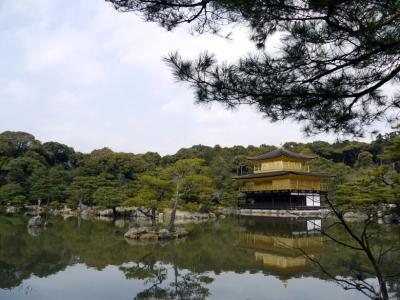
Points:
[(285, 200)]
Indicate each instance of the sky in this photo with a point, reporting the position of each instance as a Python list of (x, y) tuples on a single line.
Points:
[(82, 74)]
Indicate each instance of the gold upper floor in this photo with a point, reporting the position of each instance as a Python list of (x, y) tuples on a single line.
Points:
[(281, 160), (281, 165)]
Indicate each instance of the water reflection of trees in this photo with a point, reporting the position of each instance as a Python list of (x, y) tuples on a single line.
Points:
[(22, 255), (212, 247), (189, 285), (364, 257)]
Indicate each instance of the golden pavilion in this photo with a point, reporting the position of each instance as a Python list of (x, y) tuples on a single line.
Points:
[(282, 180)]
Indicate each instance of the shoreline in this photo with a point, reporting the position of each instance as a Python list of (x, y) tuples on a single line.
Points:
[(319, 213)]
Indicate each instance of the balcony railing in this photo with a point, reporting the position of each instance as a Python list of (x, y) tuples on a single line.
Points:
[(281, 166), (294, 185)]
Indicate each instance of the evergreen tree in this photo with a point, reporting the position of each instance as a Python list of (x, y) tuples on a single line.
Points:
[(335, 57), (376, 186), (189, 175), (9, 193), (364, 160), (154, 193), (109, 197)]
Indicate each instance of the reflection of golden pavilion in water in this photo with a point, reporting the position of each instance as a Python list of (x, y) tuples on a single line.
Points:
[(280, 253)]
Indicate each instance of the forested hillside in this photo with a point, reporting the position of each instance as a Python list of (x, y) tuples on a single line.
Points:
[(58, 175)]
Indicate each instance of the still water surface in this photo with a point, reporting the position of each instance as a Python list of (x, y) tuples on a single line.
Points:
[(246, 258)]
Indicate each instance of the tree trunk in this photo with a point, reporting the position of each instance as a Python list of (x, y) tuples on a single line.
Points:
[(382, 282), (153, 217), (171, 224), (114, 209), (38, 208)]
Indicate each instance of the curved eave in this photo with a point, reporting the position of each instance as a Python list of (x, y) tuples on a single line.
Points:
[(281, 173), (281, 152)]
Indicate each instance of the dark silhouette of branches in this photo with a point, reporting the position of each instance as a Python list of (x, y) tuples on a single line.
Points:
[(336, 58), (367, 241)]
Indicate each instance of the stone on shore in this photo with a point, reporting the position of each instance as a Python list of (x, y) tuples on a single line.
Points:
[(355, 216), (67, 212), (106, 212), (183, 216), (54, 211)]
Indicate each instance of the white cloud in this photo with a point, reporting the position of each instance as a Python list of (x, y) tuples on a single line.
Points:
[(70, 54), (92, 77), (16, 91), (26, 8), (49, 51), (201, 114), (213, 114), (173, 107), (65, 99)]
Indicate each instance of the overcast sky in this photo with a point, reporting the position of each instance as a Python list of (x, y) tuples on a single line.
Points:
[(82, 74)]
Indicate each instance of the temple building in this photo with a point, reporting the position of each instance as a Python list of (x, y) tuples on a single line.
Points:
[(282, 180)]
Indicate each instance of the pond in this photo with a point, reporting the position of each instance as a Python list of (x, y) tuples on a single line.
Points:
[(232, 258)]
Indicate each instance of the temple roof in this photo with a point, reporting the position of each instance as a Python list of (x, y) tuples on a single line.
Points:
[(281, 152), (280, 173)]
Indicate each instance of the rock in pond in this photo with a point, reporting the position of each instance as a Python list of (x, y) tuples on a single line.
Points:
[(180, 232), (164, 234), (136, 232), (35, 221), (149, 236), (148, 233)]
